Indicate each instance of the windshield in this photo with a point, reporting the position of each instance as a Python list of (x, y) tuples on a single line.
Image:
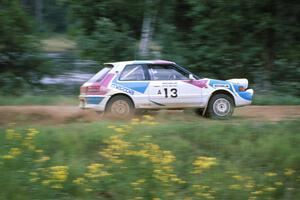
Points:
[(188, 72), (100, 75)]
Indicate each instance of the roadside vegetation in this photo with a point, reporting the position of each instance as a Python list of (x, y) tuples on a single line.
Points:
[(38, 100), (144, 159)]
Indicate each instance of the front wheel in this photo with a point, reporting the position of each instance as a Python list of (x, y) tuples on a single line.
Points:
[(119, 107), (220, 106)]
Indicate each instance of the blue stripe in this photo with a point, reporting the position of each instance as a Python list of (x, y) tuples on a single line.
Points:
[(94, 100), (138, 86), (244, 94)]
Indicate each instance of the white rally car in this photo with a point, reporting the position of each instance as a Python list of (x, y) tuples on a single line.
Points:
[(122, 88)]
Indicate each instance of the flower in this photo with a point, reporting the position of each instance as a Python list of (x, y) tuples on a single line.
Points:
[(7, 157), (235, 187), (202, 163), (289, 172), (270, 174), (43, 159), (15, 152)]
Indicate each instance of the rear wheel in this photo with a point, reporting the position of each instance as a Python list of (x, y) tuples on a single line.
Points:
[(220, 106), (120, 107)]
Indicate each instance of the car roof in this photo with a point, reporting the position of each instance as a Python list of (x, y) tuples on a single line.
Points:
[(141, 62)]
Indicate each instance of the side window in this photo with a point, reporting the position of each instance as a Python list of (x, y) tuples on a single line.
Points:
[(166, 72), (133, 73)]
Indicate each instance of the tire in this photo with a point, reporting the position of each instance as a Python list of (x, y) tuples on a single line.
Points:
[(220, 106), (120, 107)]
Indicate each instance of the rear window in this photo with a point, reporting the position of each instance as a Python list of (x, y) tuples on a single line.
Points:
[(100, 75)]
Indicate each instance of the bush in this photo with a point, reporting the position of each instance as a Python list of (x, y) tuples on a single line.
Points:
[(147, 160)]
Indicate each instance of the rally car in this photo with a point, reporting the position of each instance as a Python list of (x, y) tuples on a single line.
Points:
[(122, 88)]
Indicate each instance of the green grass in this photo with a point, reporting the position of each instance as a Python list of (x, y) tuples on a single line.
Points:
[(248, 151), (275, 99), (38, 100)]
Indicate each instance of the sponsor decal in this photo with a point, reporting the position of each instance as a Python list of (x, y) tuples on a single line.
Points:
[(131, 86), (221, 85), (122, 88)]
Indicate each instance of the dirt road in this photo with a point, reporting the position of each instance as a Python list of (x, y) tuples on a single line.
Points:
[(68, 114)]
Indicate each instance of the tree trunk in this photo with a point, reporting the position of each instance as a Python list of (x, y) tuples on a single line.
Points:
[(147, 29), (39, 13), (270, 47)]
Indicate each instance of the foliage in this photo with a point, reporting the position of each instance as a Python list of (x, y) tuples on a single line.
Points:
[(38, 100), (138, 160), (107, 42), (20, 65)]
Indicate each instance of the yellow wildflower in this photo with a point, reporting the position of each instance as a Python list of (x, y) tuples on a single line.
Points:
[(15, 151), (7, 157), (270, 174), (11, 134), (235, 187), (238, 177), (45, 182), (57, 186), (120, 130), (258, 192), (202, 163), (59, 173), (39, 150), (278, 183), (79, 181), (270, 189), (289, 172), (43, 159), (249, 185)]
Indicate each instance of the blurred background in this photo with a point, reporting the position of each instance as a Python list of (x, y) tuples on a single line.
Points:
[(51, 44), (48, 48)]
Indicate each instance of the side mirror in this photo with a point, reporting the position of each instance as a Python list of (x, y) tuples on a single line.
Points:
[(191, 77)]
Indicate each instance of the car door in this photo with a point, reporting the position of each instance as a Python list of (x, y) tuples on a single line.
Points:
[(170, 87)]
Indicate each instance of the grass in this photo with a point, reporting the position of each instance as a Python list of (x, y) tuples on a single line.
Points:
[(148, 160), (275, 99), (38, 100)]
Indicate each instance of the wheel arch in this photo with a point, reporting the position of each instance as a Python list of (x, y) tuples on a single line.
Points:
[(221, 91), (119, 94)]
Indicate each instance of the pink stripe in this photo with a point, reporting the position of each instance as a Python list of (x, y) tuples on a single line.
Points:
[(162, 62), (198, 83), (106, 80)]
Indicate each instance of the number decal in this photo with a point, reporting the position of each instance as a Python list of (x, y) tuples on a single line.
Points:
[(166, 92), (173, 92)]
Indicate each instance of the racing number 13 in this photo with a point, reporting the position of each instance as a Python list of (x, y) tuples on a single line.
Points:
[(173, 92)]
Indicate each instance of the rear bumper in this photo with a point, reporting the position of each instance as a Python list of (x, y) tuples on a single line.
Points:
[(96, 102)]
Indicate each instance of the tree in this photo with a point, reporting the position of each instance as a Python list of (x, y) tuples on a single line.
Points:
[(19, 63), (244, 38)]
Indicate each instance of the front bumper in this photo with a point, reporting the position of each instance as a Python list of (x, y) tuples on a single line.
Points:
[(244, 98)]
